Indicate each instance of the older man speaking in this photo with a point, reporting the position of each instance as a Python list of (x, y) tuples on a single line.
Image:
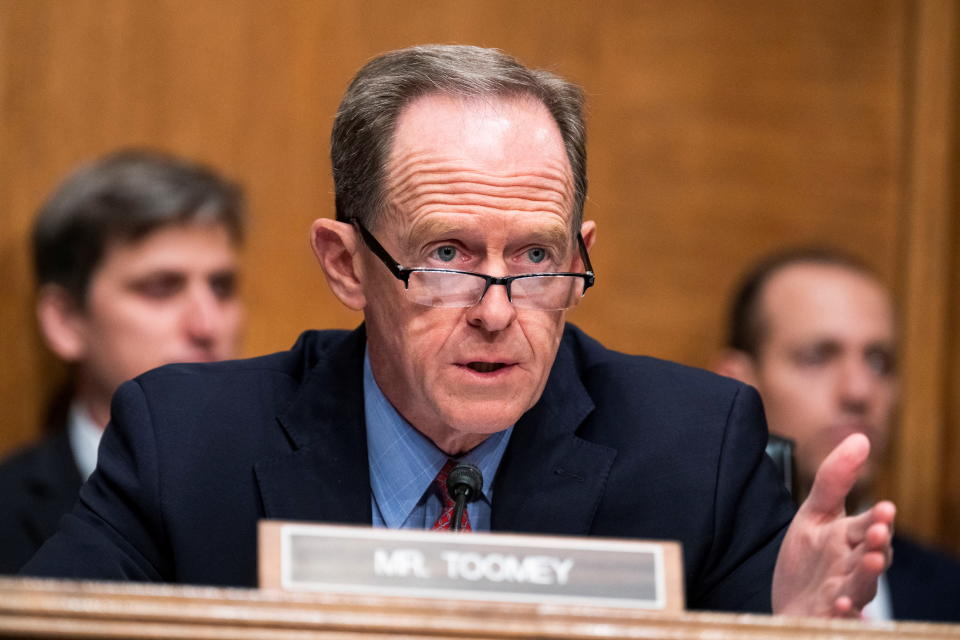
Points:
[(460, 181)]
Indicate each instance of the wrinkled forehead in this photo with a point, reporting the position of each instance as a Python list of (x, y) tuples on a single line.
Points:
[(471, 151)]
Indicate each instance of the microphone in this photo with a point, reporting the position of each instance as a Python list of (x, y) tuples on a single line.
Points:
[(464, 482)]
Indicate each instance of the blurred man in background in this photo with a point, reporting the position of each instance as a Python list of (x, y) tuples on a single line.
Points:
[(814, 331), (136, 264)]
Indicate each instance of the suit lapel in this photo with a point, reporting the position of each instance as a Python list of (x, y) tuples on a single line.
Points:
[(325, 477), (551, 480)]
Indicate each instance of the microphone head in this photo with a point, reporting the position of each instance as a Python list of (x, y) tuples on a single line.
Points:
[(465, 479)]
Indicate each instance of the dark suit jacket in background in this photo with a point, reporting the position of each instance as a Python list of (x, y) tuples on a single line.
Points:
[(924, 583), (38, 485), (618, 446)]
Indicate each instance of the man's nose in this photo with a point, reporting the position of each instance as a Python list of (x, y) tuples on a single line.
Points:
[(494, 312), (856, 385), (203, 316)]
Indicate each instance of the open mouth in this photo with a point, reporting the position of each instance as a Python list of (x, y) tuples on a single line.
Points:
[(486, 367)]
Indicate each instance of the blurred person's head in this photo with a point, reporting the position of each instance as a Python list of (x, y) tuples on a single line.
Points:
[(814, 331), (135, 257)]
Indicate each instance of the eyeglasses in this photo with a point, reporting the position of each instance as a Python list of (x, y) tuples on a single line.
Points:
[(458, 289)]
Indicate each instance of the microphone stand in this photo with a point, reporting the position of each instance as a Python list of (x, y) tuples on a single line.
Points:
[(464, 483), (459, 505)]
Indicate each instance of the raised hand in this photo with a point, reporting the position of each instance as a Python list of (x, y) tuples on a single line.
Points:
[(829, 562)]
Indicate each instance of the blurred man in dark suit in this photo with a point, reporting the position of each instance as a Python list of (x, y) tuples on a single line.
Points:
[(814, 331), (136, 259), (460, 179)]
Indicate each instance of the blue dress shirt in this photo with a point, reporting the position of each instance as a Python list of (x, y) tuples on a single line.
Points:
[(404, 463)]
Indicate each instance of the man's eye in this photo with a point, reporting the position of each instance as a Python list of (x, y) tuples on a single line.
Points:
[(446, 253), (224, 286), (537, 255), (881, 362), (812, 357), (160, 287)]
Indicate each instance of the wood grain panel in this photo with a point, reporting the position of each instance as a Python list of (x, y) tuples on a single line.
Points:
[(949, 533), (927, 274), (732, 129), (949, 448)]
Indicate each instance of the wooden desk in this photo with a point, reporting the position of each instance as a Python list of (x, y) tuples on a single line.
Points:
[(65, 609)]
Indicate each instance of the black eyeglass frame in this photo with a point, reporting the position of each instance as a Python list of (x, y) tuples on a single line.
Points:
[(402, 273)]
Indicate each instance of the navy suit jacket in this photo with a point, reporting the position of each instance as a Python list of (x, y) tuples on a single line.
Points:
[(38, 485), (618, 445)]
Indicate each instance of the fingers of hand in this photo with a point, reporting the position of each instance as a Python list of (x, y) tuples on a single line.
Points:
[(875, 520), (885, 512), (863, 584), (858, 526), (836, 476), (878, 545), (843, 608), (873, 563), (878, 537), (874, 531), (869, 552)]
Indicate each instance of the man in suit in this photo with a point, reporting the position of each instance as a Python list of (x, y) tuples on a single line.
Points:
[(135, 258), (460, 178), (813, 330)]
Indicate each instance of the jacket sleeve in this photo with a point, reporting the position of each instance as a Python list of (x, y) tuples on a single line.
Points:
[(116, 529), (752, 511)]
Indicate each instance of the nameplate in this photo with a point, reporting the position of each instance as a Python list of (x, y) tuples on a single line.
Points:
[(473, 566)]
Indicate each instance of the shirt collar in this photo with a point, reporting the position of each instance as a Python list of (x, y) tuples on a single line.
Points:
[(404, 462), (84, 437)]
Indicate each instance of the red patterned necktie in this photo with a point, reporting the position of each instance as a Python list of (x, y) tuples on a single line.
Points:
[(446, 515)]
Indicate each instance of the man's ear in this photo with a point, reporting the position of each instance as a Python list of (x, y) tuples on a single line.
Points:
[(589, 232), (737, 364), (336, 246), (62, 322)]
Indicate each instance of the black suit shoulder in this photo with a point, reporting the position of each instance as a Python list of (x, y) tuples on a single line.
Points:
[(655, 391), (38, 485), (176, 477), (690, 466), (223, 395), (310, 349), (597, 362)]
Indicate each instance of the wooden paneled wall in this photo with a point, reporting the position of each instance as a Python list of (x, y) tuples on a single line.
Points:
[(718, 132)]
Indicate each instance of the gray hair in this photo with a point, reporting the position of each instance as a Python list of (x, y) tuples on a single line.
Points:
[(124, 196), (366, 120)]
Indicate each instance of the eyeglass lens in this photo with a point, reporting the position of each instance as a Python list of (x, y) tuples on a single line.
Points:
[(445, 289)]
